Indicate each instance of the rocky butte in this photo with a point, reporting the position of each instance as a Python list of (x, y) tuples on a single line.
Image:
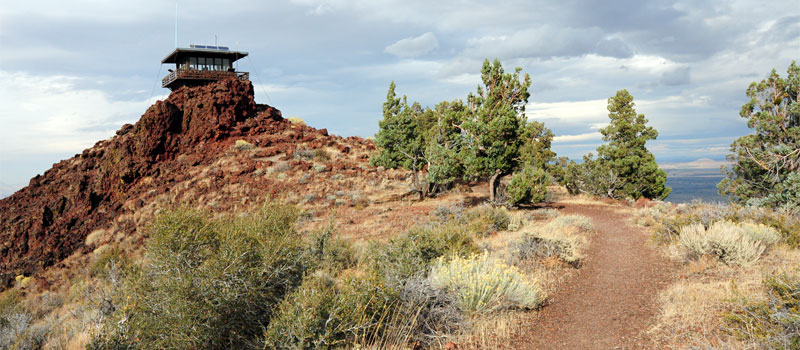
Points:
[(183, 150)]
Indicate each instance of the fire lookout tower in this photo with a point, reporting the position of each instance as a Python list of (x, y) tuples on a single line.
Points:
[(201, 64)]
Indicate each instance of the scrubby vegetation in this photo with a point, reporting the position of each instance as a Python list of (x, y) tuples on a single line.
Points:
[(255, 281), (667, 220), (207, 283), (774, 323), (726, 250)]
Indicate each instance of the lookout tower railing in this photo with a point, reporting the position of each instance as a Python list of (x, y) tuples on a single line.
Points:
[(201, 75)]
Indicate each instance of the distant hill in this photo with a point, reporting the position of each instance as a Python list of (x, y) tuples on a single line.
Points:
[(699, 167), (695, 180)]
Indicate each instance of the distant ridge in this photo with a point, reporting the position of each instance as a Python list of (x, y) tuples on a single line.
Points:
[(702, 163)]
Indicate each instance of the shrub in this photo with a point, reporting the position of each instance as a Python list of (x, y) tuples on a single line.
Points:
[(243, 145), (759, 232), (330, 253), (516, 221), (535, 247), (323, 315), (774, 324), (433, 312), (296, 120), (485, 220), (282, 166), (12, 320), (542, 214), (413, 252), (723, 240), (304, 154), (207, 283), (321, 155), (578, 221), (528, 186), (785, 221), (482, 284)]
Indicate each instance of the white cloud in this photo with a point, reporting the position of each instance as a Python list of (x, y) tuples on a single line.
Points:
[(580, 137), (585, 112), (50, 115), (414, 46)]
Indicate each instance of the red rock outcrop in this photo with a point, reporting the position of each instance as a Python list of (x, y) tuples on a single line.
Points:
[(50, 218)]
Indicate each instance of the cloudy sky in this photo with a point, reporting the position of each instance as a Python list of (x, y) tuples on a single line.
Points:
[(72, 72)]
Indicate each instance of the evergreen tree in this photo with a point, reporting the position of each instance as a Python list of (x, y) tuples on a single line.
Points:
[(626, 154), (494, 124), (766, 164), (400, 138), (624, 168), (444, 143)]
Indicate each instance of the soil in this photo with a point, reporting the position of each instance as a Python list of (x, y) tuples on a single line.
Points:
[(613, 299)]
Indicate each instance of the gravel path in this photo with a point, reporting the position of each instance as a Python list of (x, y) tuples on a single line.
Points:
[(612, 300)]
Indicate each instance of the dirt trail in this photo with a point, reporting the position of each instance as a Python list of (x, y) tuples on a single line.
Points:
[(612, 300)]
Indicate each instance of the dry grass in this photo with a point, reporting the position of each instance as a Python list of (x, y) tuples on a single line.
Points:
[(492, 332), (560, 194), (693, 308)]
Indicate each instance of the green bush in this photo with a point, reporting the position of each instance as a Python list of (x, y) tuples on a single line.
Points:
[(413, 252), (485, 220), (329, 253), (322, 315), (482, 284), (774, 324), (207, 283), (528, 186)]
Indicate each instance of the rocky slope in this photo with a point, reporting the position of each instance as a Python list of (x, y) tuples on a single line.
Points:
[(210, 147)]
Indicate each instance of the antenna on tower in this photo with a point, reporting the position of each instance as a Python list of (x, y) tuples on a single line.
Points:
[(176, 25)]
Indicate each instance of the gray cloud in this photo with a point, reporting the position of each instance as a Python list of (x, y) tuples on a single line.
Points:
[(542, 42), (613, 48), (677, 76)]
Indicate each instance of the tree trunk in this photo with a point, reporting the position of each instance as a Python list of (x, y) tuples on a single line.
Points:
[(493, 185)]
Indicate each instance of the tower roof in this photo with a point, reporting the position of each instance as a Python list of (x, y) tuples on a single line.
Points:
[(203, 51)]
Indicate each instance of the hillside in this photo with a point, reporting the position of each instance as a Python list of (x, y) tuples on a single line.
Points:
[(213, 222), (210, 147)]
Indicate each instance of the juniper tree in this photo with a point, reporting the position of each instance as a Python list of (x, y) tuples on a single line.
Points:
[(766, 164), (494, 124), (626, 154), (400, 138), (624, 168)]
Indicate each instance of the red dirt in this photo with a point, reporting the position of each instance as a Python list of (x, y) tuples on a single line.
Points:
[(612, 301)]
